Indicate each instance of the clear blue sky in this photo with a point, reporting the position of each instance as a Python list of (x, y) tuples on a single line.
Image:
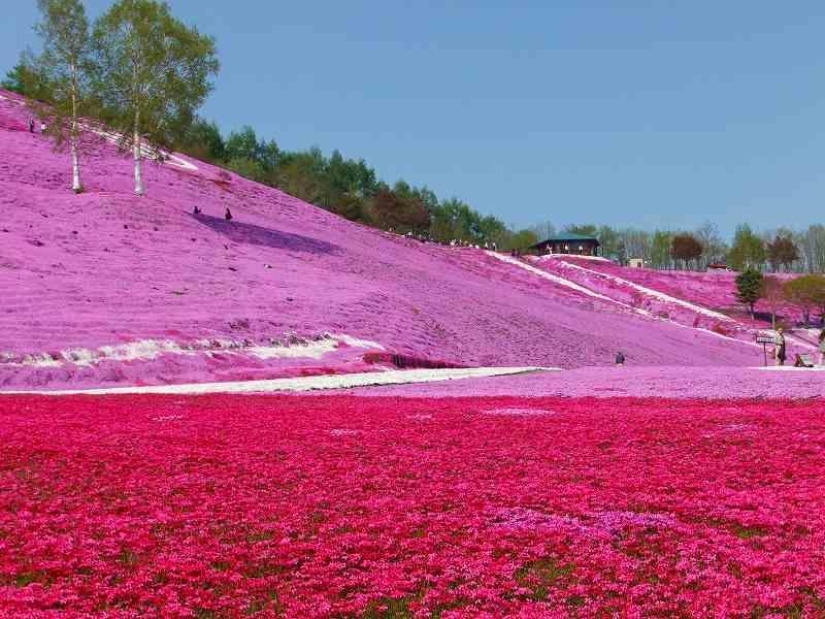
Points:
[(649, 113)]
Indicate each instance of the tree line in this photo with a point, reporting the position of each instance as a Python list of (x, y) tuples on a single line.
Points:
[(140, 72), (348, 187), (770, 251)]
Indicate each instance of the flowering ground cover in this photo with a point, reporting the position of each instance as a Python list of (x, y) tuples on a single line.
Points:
[(711, 383), (227, 506), (106, 289)]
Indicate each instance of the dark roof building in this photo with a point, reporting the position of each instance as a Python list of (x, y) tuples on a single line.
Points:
[(569, 243)]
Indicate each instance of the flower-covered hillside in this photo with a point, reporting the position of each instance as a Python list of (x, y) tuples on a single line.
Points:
[(109, 288)]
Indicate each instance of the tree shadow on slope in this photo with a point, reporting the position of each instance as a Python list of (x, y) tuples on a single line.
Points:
[(241, 232)]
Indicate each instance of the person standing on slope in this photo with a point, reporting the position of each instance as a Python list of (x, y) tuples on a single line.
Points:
[(780, 347)]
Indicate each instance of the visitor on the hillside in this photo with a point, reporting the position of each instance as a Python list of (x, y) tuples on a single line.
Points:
[(228, 215), (620, 359), (197, 211), (822, 347), (780, 347), (42, 127), (31, 125)]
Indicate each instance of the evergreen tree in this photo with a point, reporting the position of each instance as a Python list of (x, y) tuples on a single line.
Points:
[(22, 79), (152, 70), (63, 65), (749, 288)]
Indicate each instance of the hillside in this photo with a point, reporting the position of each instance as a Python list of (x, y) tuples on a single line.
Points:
[(109, 288)]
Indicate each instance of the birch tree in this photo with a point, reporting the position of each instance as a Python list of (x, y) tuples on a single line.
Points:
[(151, 71), (63, 68)]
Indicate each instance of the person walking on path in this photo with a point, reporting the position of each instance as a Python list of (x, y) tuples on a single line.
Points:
[(780, 347), (31, 125), (228, 215), (620, 359)]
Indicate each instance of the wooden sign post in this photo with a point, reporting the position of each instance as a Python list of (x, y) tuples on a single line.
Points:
[(764, 339)]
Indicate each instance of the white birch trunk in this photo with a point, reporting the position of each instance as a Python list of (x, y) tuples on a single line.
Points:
[(139, 188), (77, 187)]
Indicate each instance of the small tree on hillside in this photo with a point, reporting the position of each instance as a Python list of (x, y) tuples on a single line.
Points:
[(749, 288), (64, 65), (152, 71), (807, 293), (782, 252), (685, 247), (773, 293)]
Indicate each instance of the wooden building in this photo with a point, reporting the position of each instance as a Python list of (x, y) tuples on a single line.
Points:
[(569, 243)]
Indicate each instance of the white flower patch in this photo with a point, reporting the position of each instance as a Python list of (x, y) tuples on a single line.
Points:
[(167, 418), (520, 412), (420, 417), (344, 432)]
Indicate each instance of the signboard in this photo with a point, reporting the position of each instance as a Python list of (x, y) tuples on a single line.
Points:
[(764, 339)]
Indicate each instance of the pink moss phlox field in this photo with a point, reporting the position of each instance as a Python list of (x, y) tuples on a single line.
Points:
[(630, 381), (106, 268), (357, 507)]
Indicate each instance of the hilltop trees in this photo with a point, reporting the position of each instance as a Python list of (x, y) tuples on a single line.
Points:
[(782, 251), (391, 210), (685, 247), (747, 251), (63, 67), (661, 244), (152, 73), (807, 293)]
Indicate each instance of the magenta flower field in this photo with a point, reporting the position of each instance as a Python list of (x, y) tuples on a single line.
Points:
[(383, 507)]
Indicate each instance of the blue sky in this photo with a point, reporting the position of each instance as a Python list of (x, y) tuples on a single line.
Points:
[(652, 114)]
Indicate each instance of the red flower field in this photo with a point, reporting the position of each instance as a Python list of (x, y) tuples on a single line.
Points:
[(382, 507)]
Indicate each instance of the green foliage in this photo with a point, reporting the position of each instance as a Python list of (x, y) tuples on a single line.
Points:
[(151, 73), (520, 240), (612, 243), (807, 293), (204, 141), (583, 229), (391, 210), (749, 288), (24, 80), (248, 168), (62, 74), (660, 249), (747, 251)]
